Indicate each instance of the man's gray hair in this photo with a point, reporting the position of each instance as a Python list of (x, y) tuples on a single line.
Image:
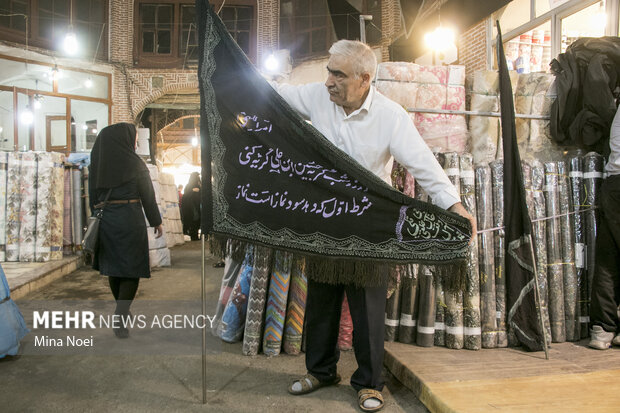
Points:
[(362, 56)]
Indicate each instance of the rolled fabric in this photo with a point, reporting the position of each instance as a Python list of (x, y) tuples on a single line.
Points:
[(538, 212), (276, 302), (67, 229), (592, 179), (57, 221), (454, 300), (554, 254), (296, 307), (392, 313), (252, 334), (577, 202), (425, 336), (28, 207), (486, 262), (13, 205), (409, 305), (497, 183), (4, 158), (472, 333), (440, 300), (76, 212), (345, 335), (44, 206), (568, 255), (233, 318)]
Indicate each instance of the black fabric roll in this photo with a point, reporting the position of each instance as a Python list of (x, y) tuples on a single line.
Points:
[(538, 213), (554, 254), (440, 301), (577, 203), (409, 305), (454, 300), (592, 179), (425, 336), (486, 261), (472, 334), (392, 312), (568, 254), (497, 183)]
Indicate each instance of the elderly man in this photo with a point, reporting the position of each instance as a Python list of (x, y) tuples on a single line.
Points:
[(373, 130)]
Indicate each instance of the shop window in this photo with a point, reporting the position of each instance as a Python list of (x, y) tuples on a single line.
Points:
[(49, 20), (7, 137), (305, 27), (87, 119), (166, 32), (588, 22), (531, 51), (14, 13), (513, 15), (72, 82)]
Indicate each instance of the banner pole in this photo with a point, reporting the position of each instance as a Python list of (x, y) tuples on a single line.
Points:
[(204, 329), (540, 316)]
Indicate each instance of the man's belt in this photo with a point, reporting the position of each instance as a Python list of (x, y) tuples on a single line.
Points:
[(116, 201)]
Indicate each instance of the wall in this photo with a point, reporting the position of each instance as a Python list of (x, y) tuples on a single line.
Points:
[(472, 47)]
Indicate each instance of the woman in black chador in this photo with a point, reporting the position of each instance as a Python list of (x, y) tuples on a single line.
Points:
[(123, 251), (190, 213)]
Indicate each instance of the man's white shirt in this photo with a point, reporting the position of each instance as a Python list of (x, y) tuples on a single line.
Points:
[(379, 130)]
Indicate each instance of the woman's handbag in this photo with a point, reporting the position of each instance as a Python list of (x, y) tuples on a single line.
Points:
[(91, 238)]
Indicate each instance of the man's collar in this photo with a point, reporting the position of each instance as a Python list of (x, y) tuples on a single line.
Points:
[(365, 106)]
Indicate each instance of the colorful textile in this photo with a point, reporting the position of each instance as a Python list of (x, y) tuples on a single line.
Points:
[(256, 302), (233, 317), (3, 187), (497, 184), (13, 205), (276, 303), (12, 325), (270, 177), (296, 307), (67, 223), (76, 211), (231, 273), (58, 206), (28, 206)]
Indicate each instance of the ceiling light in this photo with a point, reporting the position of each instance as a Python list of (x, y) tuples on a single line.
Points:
[(88, 83), (70, 44), (26, 117), (440, 39), (194, 141)]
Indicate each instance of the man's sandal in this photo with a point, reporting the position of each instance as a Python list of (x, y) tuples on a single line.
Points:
[(366, 394), (309, 383)]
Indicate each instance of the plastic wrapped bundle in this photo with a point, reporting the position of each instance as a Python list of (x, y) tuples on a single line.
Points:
[(13, 205), (497, 183), (76, 212), (425, 336), (471, 296), (568, 255), (397, 80), (345, 335), (538, 212), (67, 223), (231, 272), (454, 300), (3, 169), (256, 301), (577, 202), (554, 254), (233, 317), (392, 313), (28, 206), (409, 304), (58, 206), (540, 130), (45, 204), (296, 308), (276, 302), (442, 87), (486, 262), (524, 93), (592, 179)]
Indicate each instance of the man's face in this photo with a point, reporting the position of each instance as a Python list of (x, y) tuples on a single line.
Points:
[(345, 89)]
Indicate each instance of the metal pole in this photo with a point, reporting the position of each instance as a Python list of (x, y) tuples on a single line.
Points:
[(475, 113), (204, 329), (537, 298), (362, 29)]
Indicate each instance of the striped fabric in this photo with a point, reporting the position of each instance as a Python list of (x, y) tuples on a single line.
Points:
[(296, 309), (276, 303), (256, 301)]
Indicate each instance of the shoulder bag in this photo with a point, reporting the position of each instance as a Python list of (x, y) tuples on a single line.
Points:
[(91, 238)]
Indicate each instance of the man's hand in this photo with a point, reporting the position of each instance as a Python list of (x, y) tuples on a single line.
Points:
[(159, 231), (458, 208)]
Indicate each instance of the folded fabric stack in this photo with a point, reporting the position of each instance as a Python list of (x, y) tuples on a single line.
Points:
[(170, 210), (532, 97), (429, 87), (31, 206), (159, 254)]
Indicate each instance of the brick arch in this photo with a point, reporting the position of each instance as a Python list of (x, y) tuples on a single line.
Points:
[(141, 103)]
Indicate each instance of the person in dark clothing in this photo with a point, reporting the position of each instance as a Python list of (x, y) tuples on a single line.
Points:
[(190, 208), (123, 250)]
